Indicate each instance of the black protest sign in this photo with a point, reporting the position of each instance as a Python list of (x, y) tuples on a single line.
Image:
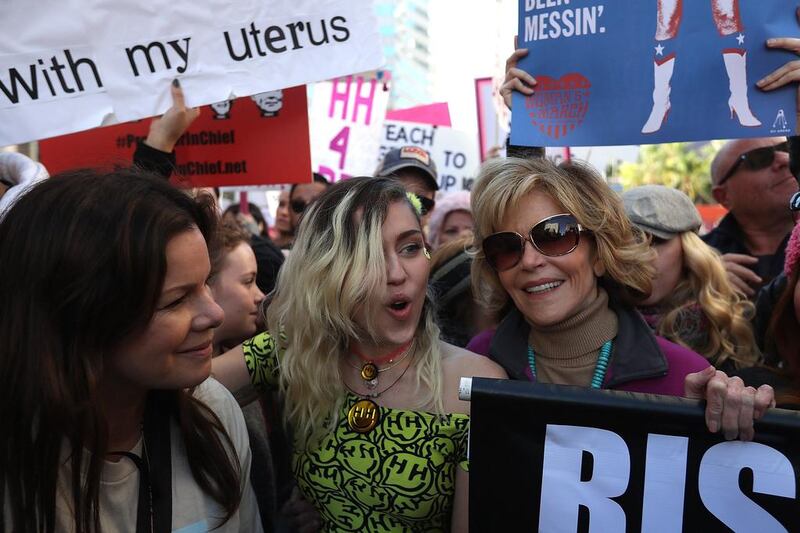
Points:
[(562, 459)]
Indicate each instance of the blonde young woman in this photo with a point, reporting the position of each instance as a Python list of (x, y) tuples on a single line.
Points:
[(691, 302), (371, 393)]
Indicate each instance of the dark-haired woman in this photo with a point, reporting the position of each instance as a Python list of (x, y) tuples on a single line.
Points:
[(781, 338), (110, 420)]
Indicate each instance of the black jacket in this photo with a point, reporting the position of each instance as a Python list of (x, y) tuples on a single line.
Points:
[(728, 238)]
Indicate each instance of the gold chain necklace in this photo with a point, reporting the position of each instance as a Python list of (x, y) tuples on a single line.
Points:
[(364, 415)]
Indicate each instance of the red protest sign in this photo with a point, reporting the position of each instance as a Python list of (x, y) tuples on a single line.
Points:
[(257, 140)]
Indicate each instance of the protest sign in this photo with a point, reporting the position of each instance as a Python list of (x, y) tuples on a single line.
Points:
[(493, 116), (651, 71), (437, 114), (71, 65), (558, 459), (346, 118), (454, 152), (261, 139)]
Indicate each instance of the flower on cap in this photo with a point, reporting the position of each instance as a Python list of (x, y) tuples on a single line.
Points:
[(415, 202)]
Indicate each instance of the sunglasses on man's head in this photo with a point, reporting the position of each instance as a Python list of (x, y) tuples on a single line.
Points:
[(554, 236), (756, 159)]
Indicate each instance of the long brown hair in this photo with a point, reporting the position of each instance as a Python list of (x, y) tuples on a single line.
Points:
[(83, 260)]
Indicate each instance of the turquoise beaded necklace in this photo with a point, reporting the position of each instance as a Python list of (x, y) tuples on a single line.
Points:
[(599, 370)]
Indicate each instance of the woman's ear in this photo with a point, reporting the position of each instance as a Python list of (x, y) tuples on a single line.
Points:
[(598, 266)]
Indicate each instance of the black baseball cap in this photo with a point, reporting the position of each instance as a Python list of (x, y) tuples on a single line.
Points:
[(397, 159)]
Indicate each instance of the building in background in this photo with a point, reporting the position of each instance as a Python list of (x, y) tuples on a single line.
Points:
[(405, 31)]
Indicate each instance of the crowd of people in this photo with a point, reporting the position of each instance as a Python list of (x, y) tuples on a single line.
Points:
[(168, 366)]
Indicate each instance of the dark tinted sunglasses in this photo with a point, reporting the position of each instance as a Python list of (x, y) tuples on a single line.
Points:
[(554, 236), (298, 206), (427, 204), (757, 159)]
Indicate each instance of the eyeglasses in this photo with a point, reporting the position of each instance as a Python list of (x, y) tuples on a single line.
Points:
[(427, 204), (554, 236), (298, 206), (756, 159)]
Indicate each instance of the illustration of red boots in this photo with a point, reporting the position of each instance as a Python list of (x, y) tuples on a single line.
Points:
[(662, 72)]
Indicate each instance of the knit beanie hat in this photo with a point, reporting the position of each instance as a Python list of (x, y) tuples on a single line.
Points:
[(446, 204)]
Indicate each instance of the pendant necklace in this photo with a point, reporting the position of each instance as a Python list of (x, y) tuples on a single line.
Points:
[(364, 415), (369, 369)]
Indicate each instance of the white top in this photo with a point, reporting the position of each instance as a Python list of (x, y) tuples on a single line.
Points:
[(192, 510)]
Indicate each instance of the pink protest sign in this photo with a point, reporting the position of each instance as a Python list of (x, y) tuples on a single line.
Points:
[(346, 120)]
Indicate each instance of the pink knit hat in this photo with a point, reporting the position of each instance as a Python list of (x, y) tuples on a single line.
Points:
[(446, 203), (792, 252)]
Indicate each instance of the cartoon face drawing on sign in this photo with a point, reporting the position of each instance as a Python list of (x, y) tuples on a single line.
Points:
[(222, 110), (269, 103), (729, 25)]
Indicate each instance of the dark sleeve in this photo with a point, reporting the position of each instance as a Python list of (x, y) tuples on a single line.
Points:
[(794, 155), (153, 160), (765, 303), (269, 259)]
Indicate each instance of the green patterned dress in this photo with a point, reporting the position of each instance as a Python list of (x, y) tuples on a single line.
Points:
[(398, 477)]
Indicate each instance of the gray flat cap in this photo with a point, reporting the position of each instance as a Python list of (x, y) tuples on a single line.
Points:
[(661, 211)]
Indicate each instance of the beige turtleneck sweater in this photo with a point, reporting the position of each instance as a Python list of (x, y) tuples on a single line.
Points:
[(566, 353)]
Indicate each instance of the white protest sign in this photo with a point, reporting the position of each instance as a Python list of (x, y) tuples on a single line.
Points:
[(346, 118), (71, 65), (454, 152)]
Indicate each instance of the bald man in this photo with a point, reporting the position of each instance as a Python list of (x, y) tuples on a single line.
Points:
[(752, 179)]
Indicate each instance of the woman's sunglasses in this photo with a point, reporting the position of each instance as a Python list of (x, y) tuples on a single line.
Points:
[(756, 159), (554, 236)]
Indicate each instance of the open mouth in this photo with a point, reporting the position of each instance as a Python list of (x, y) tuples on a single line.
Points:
[(544, 287), (400, 309), (399, 305)]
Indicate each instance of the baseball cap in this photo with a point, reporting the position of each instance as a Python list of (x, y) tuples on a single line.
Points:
[(661, 211), (409, 156)]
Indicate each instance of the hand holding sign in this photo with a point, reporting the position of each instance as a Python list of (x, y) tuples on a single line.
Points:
[(166, 130), (516, 78), (788, 73), (730, 405)]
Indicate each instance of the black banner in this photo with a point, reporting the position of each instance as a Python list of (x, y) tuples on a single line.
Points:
[(562, 459)]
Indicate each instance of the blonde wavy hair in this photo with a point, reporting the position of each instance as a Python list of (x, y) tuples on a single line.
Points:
[(335, 268), (704, 282), (621, 248)]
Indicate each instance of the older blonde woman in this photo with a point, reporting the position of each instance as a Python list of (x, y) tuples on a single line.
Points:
[(691, 301), (371, 392), (558, 252)]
